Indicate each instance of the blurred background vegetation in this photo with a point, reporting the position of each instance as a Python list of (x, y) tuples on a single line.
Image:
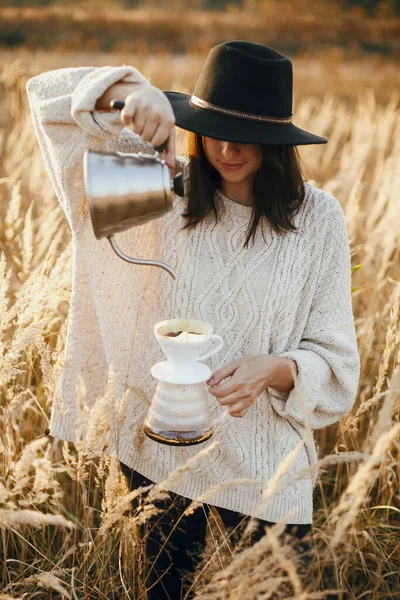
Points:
[(369, 6), (351, 27)]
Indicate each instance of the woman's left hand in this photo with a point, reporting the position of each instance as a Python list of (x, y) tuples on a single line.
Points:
[(249, 377)]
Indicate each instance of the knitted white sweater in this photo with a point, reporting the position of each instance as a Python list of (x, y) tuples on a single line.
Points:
[(287, 295)]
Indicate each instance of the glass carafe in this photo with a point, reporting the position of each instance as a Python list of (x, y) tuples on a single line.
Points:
[(179, 415)]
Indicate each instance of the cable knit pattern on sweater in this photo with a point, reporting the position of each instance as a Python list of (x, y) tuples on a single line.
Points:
[(288, 295)]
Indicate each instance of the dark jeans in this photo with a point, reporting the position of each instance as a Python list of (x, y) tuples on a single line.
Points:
[(173, 544)]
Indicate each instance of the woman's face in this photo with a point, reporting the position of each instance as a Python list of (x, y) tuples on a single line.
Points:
[(236, 163)]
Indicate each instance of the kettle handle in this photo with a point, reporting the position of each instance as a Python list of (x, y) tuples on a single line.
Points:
[(119, 105)]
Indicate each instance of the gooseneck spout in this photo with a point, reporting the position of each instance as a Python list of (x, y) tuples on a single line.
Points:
[(140, 261)]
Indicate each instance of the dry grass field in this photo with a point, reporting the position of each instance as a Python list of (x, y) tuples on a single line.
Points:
[(294, 26), (65, 524)]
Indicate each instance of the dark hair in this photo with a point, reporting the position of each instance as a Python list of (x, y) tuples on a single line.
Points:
[(278, 187)]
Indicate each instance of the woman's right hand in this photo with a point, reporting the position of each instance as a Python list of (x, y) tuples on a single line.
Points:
[(151, 114)]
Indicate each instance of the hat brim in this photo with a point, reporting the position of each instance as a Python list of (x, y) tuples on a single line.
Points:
[(235, 129)]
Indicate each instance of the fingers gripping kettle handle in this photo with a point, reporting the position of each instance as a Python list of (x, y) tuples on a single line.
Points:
[(119, 105)]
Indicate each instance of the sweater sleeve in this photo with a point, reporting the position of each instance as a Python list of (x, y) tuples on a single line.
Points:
[(327, 357), (62, 105)]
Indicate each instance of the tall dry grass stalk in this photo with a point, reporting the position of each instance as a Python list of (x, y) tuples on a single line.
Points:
[(65, 512)]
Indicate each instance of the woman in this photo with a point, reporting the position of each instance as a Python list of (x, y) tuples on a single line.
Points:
[(259, 253)]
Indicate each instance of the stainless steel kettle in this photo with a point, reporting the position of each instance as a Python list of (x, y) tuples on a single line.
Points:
[(127, 190)]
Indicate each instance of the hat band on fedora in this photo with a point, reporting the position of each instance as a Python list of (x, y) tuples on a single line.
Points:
[(242, 115)]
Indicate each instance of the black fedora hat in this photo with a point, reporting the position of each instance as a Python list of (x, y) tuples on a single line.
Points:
[(244, 95)]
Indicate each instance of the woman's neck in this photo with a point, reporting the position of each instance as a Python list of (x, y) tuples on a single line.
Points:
[(238, 192)]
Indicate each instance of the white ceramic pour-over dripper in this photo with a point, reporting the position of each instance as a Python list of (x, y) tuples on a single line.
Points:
[(179, 413), (185, 350)]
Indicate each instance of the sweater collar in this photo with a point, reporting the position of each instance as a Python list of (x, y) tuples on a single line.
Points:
[(233, 208)]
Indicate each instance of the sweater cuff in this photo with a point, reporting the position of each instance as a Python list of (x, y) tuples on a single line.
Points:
[(277, 394), (90, 89), (305, 395)]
